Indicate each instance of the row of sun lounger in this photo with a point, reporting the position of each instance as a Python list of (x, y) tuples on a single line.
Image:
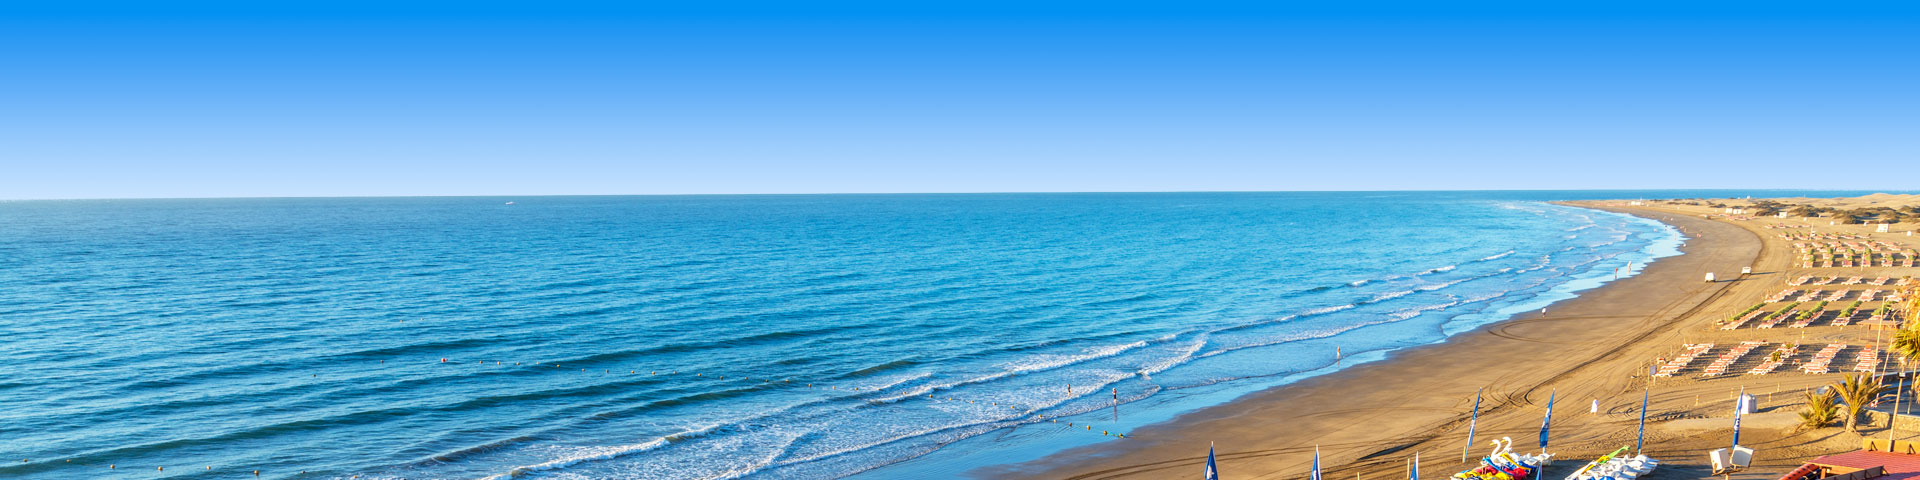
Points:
[(1867, 295), (1823, 358), (1719, 365), (1826, 244), (1869, 359), (1785, 351), (1804, 322), (1776, 319), (1743, 320), (1848, 262), (1674, 366), (1842, 320), (1836, 320)]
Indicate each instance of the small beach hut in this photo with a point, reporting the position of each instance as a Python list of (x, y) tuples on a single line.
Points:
[(1709, 277)]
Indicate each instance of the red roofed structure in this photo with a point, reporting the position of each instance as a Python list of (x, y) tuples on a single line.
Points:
[(1873, 461)]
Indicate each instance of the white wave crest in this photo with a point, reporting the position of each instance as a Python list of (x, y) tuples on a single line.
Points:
[(599, 453)]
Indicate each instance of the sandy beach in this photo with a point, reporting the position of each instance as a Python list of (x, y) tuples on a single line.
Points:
[(1368, 420)]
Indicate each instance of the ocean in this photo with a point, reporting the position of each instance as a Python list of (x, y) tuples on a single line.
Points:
[(691, 337)]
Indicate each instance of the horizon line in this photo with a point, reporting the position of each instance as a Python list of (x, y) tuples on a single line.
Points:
[(1033, 192)]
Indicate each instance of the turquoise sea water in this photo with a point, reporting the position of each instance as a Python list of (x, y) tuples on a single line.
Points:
[(722, 336)]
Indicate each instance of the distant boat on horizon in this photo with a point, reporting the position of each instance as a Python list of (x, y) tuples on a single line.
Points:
[(509, 203)]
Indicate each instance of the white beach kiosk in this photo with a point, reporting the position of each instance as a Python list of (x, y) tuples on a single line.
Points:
[(1709, 277)]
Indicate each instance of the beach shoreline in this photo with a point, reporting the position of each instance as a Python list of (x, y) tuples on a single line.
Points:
[(1361, 416)]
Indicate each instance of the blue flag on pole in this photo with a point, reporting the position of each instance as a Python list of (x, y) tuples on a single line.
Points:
[(1316, 462), (1737, 403), (1414, 473), (1549, 421), (1213, 473), (1471, 424), (1642, 439)]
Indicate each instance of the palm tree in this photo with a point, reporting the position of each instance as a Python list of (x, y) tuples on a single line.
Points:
[(1907, 342), (1858, 391), (1822, 409)]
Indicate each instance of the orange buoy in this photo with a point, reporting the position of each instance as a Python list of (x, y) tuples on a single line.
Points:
[(443, 360)]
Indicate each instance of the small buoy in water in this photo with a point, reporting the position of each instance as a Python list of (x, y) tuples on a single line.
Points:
[(443, 360), (160, 468), (256, 473)]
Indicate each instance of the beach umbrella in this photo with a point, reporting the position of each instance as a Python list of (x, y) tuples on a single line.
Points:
[(1316, 463), (1641, 440), (1212, 472), (1549, 421)]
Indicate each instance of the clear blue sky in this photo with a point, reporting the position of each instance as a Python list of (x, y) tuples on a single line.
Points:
[(334, 98)]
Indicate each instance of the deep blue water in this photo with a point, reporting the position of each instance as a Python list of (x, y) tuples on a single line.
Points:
[(722, 336)]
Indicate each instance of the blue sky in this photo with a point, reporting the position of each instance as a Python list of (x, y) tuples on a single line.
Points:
[(341, 98)]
